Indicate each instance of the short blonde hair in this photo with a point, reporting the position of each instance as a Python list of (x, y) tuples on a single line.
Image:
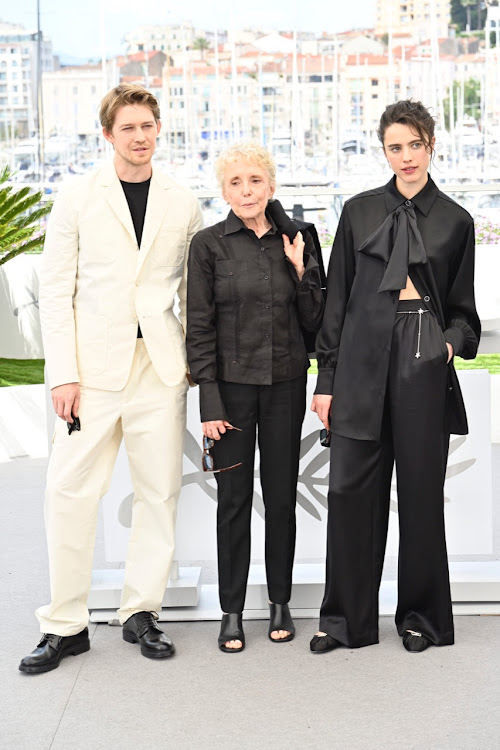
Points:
[(120, 96), (250, 150)]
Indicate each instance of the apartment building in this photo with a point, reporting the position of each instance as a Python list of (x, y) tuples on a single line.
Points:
[(18, 78)]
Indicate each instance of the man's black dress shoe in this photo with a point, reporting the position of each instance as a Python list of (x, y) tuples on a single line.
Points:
[(280, 619), (321, 644), (142, 628), (231, 629), (415, 642), (52, 648)]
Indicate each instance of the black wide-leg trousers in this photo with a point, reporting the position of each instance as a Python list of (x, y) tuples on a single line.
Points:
[(413, 436), (275, 413)]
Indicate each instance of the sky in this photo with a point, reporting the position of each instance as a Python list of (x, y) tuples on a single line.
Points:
[(74, 27)]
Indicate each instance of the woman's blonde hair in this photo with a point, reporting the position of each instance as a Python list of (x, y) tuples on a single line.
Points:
[(120, 96), (250, 150)]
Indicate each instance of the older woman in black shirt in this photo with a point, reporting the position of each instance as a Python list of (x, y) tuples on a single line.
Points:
[(251, 291), (400, 305)]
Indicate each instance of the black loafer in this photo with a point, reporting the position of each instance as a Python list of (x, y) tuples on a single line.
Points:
[(142, 628), (415, 642), (231, 629), (280, 619), (52, 648), (321, 644)]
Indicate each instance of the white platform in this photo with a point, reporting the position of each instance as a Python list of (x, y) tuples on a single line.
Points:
[(106, 589), (475, 590)]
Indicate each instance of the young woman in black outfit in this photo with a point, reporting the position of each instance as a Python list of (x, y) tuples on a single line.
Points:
[(400, 305), (253, 285)]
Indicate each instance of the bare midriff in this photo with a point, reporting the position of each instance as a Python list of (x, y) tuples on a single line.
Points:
[(409, 292)]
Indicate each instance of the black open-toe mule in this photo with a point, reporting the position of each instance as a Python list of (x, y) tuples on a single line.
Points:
[(231, 629), (280, 619)]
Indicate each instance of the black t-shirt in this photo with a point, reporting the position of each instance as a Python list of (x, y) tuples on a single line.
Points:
[(136, 194)]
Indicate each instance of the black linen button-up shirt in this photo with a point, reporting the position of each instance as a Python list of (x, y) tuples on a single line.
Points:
[(353, 346), (246, 309)]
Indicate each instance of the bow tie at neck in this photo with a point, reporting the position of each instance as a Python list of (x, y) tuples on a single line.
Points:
[(398, 243)]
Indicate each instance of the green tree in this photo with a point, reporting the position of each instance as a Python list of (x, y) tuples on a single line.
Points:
[(468, 5), (19, 229), (472, 103), (201, 44), (463, 13)]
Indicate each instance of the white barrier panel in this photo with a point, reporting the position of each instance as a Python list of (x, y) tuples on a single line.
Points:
[(20, 335), (468, 490)]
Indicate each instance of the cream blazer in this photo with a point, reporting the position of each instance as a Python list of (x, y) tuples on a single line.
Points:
[(96, 284)]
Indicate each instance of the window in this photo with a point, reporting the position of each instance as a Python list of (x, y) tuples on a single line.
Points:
[(374, 81), (75, 90)]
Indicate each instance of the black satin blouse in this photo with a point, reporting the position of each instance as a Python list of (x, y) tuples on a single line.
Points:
[(353, 346)]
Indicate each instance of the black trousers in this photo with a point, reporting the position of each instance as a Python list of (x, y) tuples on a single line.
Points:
[(413, 436), (275, 412)]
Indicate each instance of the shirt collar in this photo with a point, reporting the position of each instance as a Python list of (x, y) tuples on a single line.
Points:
[(235, 224), (424, 200)]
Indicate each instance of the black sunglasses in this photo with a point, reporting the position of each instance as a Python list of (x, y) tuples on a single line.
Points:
[(325, 437), (207, 460)]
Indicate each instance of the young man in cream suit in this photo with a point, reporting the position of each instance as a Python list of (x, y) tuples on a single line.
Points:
[(115, 259)]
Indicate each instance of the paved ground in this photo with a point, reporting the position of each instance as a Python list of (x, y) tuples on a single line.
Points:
[(278, 697)]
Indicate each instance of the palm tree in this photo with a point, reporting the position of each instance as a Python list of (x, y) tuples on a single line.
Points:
[(19, 229), (201, 44)]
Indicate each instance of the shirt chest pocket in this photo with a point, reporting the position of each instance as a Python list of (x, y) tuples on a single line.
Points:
[(229, 280), (169, 247)]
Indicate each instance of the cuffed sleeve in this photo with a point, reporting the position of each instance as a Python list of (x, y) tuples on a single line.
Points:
[(201, 338), (341, 271), (463, 327), (211, 406)]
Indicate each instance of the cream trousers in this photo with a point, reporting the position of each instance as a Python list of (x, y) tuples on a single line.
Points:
[(151, 419)]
